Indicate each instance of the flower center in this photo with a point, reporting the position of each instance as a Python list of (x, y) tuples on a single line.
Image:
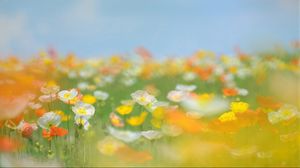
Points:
[(82, 111)]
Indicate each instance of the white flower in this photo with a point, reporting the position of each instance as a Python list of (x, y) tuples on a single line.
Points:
[(72, 74), (242, 92), (82, 121), (243, 72), (67, 95), (142, 97), (83, 110), (152, 134), (100, 95), (108, 79), (83, 85), (189, 76), (152, 106), (285, 112), (49, 119), (176, 95), (127, 136), (87, 72), (288, 111), (198, 108), (274, 117), (128, 81), (228, 77), (219, 70), (186, 88)]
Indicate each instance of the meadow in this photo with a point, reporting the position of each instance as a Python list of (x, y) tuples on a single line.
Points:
[(134, 110)]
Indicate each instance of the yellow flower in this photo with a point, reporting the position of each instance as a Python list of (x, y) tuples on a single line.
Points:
[(124, 109), (51, 83), (109, 146), (206, 97), (156, 123), (137, 120), (62, 115), (89, 99), (158, 113), (225, 59), (115, 59), (233, 69), (229, 116), (239, 107)]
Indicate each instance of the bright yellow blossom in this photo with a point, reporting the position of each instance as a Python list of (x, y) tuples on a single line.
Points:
[(159, 113), (124, 109), (229, 116), (89, 99), (239, 107), (137, 120)]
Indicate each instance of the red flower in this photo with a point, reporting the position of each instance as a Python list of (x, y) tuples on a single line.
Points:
[(54, 131), (27, 129)]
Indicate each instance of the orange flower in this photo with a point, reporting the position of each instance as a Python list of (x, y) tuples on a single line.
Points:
[(54, 131), (204, 73), (186, 123), (230, 92), (268, 102), (245, 119), (8, 144), (16, 90), (40, 112)]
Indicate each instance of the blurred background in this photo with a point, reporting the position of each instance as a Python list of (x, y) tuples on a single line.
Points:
[(92, 28)]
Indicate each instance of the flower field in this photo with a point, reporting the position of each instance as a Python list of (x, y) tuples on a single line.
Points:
[(201, 110)]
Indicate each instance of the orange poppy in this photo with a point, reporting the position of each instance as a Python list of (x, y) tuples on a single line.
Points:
[(204, 73), (54, 131), (181, 120), (230, 92), (8, 144), (245, 119), (40, 112)]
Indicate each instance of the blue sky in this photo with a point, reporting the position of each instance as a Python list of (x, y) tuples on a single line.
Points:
[(166, 27)]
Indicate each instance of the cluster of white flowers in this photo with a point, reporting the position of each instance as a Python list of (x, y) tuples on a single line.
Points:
[(83, 112), (181, 92)]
